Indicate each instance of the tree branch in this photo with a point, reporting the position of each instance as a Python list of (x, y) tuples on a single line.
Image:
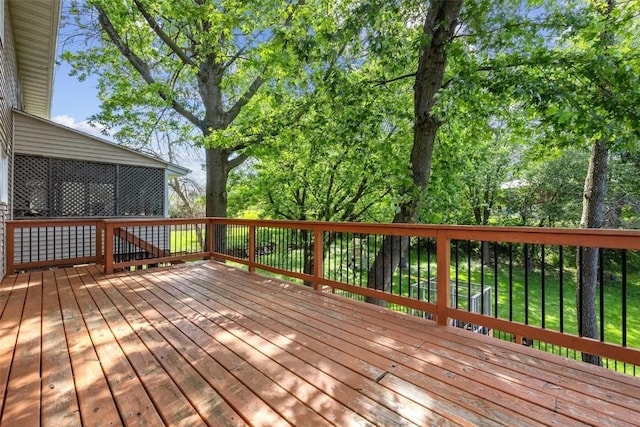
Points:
[(240, 52), (163, 36), (244, 99), (236, 161), (141, 67), (255, 85), (395, 79)]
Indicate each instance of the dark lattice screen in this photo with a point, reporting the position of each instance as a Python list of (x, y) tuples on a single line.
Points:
[(141, 191), (48, 187), (31, 186), (83, 188)]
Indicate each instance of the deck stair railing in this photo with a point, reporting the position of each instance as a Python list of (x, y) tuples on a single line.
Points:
[(527, 277)]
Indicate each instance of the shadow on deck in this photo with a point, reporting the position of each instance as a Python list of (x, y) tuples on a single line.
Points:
[(206, 344)]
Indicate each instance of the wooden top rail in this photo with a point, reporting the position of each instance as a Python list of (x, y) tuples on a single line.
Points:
[(601, 238), (33, 223), (143, 222)]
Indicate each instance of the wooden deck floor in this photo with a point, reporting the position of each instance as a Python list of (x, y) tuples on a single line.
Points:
[(204, 344)]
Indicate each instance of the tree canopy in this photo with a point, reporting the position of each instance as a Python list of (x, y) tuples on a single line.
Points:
[(318, 95)]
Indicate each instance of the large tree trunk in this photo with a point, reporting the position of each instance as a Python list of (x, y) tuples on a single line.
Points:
[(217, 173), (216, 193), (307, 254), (595, 186), (438, 29)]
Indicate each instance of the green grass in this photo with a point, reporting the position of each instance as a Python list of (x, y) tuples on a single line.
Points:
[(184, 241)]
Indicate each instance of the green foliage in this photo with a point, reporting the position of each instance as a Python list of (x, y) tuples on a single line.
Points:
[(548, 191), (528, 86), (338, 163)]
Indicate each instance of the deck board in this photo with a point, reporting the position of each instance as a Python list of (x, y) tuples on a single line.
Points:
[(276, 361), (95, 400), (252, 325), (168, 399), (59, 401), (22, 402), (128, 393), (205, 344), (404, 370)]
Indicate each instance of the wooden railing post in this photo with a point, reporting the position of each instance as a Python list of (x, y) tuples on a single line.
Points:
[(252, 247), (318, 256), (210, 237), (10, 248), (443, 252), (99, 242), (108, 248)]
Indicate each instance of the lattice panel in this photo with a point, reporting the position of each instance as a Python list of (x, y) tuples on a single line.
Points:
[(83, 188), (141, 191), (31, 189), (47, 187)]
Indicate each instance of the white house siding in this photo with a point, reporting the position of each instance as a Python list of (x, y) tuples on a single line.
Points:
[(10, 95), (35, 136)]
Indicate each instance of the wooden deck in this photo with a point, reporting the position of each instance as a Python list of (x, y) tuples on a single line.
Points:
[(204, 344)]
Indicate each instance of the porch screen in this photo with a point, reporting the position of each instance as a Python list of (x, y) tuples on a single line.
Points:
[(48, 187)]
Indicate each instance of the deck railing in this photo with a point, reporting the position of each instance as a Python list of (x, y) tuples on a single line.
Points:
[(511, 283), (32, 244)]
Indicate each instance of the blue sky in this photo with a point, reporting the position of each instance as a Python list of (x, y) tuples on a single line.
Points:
[(74, 101)]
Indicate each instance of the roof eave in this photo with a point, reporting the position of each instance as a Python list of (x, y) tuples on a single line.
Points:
[(35, 31)]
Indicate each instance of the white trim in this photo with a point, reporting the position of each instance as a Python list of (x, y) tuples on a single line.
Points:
[(12, 166), (4, 179), (3, 4), (167, 177)]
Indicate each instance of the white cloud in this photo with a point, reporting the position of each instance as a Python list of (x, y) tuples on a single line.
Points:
[(83, 126)]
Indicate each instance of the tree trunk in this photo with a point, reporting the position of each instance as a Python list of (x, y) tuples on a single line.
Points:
[(174, 183), (595, 187), (592, 217), (217, 173), (216, 193), (307, 254), (438, 29)]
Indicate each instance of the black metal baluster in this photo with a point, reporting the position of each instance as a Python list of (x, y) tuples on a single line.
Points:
[(361, 264), (457, 250), (428, 269), (39, 246), (399, 265), (624, 299), (601, 289), (495, 279), (341, 254), (561, 287), (526, 284), (419, 284), (481, 278), (469, 275), (579, 292), (542, 284)]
